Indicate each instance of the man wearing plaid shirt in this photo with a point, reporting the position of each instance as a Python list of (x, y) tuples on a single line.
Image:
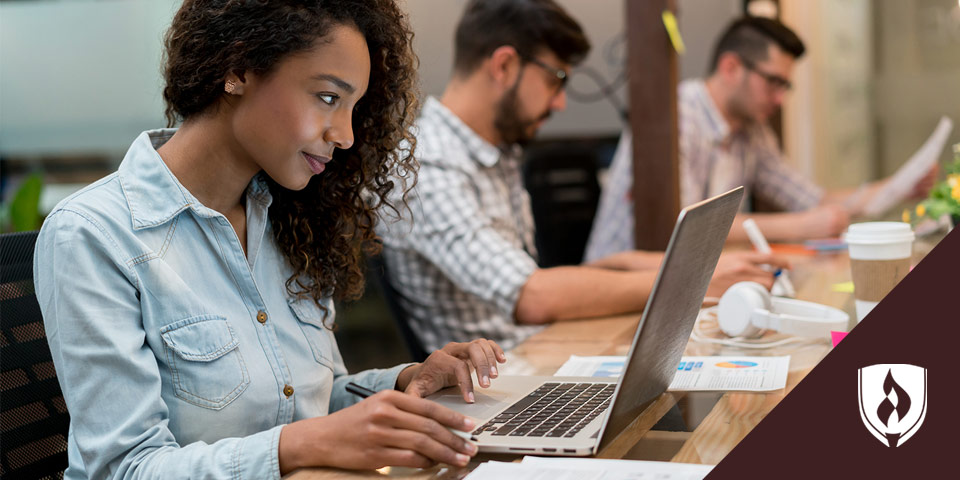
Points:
[(464, 266), (725, 141)]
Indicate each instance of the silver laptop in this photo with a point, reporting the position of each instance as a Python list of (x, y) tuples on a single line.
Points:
[(580, 415)]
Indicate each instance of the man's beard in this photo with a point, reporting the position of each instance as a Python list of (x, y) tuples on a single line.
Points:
[(738, 106), (507, 121)]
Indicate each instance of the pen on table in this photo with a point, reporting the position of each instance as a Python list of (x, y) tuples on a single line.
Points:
[(760, 243), (364, 392)]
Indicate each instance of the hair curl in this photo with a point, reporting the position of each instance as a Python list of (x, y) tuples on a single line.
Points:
[(324, 229)]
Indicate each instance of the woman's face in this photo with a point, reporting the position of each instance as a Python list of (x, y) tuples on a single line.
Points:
[(289, 122)]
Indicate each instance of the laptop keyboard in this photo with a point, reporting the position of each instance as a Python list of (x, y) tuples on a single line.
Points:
[(553, 410)]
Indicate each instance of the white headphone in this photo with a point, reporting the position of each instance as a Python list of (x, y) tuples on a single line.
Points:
[(746, 308)]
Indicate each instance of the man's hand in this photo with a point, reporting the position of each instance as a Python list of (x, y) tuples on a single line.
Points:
[(743, 267), (922, 188), (824, 221)]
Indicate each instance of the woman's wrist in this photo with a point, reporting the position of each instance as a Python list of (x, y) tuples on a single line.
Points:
[(287, 450), (292, 449), (407, 374)]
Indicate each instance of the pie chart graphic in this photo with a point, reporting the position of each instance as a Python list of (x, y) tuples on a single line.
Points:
[(737, 364)]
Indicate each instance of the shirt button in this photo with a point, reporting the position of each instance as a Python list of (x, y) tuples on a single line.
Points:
[(287, 390), (262, 316)]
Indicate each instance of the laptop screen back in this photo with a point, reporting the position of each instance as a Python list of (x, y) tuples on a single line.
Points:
[(672, 308)]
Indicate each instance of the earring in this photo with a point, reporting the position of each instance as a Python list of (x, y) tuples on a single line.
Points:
[(229, 86)]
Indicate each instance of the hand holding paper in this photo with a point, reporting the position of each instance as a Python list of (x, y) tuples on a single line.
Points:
[(918, 169)]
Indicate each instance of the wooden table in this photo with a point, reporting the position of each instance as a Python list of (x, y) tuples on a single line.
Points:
[(719, 420)]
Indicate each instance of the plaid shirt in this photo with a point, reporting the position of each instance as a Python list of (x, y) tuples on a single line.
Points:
[(712, 160), (459, 263)]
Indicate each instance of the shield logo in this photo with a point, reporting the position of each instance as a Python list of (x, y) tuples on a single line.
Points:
[(893, 400)]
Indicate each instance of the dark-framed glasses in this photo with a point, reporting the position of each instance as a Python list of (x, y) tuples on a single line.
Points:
[(773, 80), (560, 75)]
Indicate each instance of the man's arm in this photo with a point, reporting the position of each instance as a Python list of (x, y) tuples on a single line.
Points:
[(823, 221), (854, 199), (564, 293), (629, 260)]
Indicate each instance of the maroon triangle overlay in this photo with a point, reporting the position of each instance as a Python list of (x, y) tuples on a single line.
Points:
[(816, 431)]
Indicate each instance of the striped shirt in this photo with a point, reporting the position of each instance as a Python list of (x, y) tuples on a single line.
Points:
[(713, 159), (461, 253)]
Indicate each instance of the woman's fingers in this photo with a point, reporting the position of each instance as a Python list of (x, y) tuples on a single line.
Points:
[(432, 441), (431, 410), (424, 427), (483, 360), (483, 354), (464, 380), (404, 457), (498, 350)]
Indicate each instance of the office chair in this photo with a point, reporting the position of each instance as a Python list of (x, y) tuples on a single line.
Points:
[(377, 269), (33, 414), (564, 193)]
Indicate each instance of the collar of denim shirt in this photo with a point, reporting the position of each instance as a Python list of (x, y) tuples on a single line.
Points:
[(154, 194)]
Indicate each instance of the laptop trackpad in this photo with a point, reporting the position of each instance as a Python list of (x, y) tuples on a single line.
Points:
[(503, 392)]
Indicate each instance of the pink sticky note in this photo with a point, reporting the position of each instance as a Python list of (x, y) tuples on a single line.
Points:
[(837, 336)]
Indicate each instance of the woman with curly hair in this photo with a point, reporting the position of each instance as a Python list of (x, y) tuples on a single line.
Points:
[(187, 298)]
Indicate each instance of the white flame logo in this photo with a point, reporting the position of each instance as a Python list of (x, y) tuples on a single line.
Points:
[(893, 401)]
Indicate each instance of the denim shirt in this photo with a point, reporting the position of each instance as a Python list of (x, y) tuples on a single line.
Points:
[(179, 356)]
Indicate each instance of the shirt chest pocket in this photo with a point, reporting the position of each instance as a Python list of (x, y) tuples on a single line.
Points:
[(205, 364), (310, 318)]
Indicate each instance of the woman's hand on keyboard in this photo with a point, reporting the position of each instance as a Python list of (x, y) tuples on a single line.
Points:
[(451, 366)]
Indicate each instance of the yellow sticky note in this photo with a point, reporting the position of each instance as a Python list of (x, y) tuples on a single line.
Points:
[(670, 21), (843, 287)]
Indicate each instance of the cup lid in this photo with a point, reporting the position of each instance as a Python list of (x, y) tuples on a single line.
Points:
[(878, 232)]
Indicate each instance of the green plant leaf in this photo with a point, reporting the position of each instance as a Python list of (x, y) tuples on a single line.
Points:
[(25, 207)]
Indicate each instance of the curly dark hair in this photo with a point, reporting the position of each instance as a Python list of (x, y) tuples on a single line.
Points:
[(324, 229)]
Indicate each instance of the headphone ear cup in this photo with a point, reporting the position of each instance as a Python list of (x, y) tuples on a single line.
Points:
[(737, 307)]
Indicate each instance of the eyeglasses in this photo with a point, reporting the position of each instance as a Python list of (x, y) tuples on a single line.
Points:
[(773, 80), (557, 73)]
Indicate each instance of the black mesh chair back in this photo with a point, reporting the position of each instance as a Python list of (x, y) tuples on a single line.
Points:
[(564, 193), (34, 420), (377, 269)]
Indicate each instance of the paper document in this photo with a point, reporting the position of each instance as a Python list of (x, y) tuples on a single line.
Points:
[(902, 182), (554, 468), (697, 374)]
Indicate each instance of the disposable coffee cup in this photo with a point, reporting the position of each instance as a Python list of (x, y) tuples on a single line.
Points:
[(879, 258)]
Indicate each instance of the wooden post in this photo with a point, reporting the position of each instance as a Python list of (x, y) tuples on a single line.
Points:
[(653, 122)]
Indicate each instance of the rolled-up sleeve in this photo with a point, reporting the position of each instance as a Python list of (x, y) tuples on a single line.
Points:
[(374, 379), (779, 184), (109, 375)]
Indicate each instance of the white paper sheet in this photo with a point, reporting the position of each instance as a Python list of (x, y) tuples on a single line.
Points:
[(519, 471), (902, 182), (558, 468), (751, 374), (639, 469)]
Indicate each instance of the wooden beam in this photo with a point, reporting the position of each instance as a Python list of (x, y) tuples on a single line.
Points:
[(652, 64)]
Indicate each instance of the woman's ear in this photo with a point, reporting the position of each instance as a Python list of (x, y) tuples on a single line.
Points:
[(503, 65), (234, 82)]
